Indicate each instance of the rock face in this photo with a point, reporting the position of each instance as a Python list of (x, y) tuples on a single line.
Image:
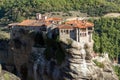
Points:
[(78, 65), (4, 75), (49, 62), (20, 48)]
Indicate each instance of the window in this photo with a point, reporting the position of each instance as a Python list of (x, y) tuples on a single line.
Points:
[(90, 28), (67, 31), (88, 33), (83, 29), (61, 31), (85, 34), (81, 34), (13, 34)]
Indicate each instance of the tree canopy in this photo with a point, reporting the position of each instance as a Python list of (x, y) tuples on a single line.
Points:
[(106, 36), (17, 10)]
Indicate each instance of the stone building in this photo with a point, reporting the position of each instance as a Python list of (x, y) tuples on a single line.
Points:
[(21, 43), (78, 30), (40, 24)]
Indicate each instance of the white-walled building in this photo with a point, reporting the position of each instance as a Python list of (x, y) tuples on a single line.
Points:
[(78, 30)]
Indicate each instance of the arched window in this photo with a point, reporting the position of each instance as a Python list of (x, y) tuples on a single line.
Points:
[(67, 31), (85, 34), (61, 31)]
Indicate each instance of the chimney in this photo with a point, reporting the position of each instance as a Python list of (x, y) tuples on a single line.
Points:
[(38, 16), (44, 17)]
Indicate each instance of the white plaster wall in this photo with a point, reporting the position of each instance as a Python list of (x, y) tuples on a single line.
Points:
[(82, 39), (64, 35)]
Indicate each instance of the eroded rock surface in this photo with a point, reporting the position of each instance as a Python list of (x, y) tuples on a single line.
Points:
[(62, 60), (4, 75), (78, 65)]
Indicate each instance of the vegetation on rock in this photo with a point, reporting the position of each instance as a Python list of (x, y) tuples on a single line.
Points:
[(117, 70), (99, 64), (4, 35), (106, 36), (54, 50), (17, 10)]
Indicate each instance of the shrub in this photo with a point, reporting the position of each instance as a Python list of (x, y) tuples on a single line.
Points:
[(54, 50), (117, 71), (99, 64)]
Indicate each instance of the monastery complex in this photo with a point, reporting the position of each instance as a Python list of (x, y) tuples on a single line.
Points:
[(78, 30)]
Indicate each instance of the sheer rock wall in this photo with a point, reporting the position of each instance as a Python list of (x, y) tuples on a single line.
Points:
[(78, 64)]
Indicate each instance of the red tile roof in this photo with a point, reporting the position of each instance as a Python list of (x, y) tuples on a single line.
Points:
[(80, 23), (38, 22), (68, 25), (33, 23), (65, 26)]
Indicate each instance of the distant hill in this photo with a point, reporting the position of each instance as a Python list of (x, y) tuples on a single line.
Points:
[(17, 10)]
